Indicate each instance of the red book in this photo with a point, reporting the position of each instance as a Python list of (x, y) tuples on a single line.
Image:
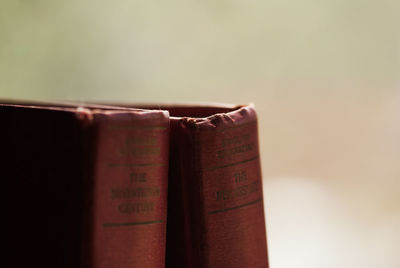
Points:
[(215, 201), (86, 186)]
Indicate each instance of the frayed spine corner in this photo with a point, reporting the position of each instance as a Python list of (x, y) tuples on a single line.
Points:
[(84, 114)]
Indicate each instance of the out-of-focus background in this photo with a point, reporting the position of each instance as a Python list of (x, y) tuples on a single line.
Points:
[(323, 74)]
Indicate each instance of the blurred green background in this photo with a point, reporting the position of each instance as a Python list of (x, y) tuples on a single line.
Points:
[(195, 50), (324, 75)]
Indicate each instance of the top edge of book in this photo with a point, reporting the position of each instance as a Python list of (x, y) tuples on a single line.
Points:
[(240, 116), (197, 111), (195, 114), (203, 116), (77, 107)]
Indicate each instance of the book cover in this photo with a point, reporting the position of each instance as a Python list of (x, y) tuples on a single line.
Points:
[(86, 186), (216, 213)]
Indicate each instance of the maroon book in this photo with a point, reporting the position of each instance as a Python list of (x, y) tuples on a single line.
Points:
[(85, 186), (215, 201)]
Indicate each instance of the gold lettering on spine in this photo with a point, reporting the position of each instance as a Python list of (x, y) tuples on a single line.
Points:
[(135, 196), (239, 192), (127, 208), (140, 192)]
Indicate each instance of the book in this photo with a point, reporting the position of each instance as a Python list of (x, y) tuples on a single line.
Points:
[(216, 213), (215, 198), (86, 186)]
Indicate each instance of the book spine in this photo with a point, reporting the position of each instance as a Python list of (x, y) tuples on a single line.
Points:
[(129, 192), (222, 192)]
